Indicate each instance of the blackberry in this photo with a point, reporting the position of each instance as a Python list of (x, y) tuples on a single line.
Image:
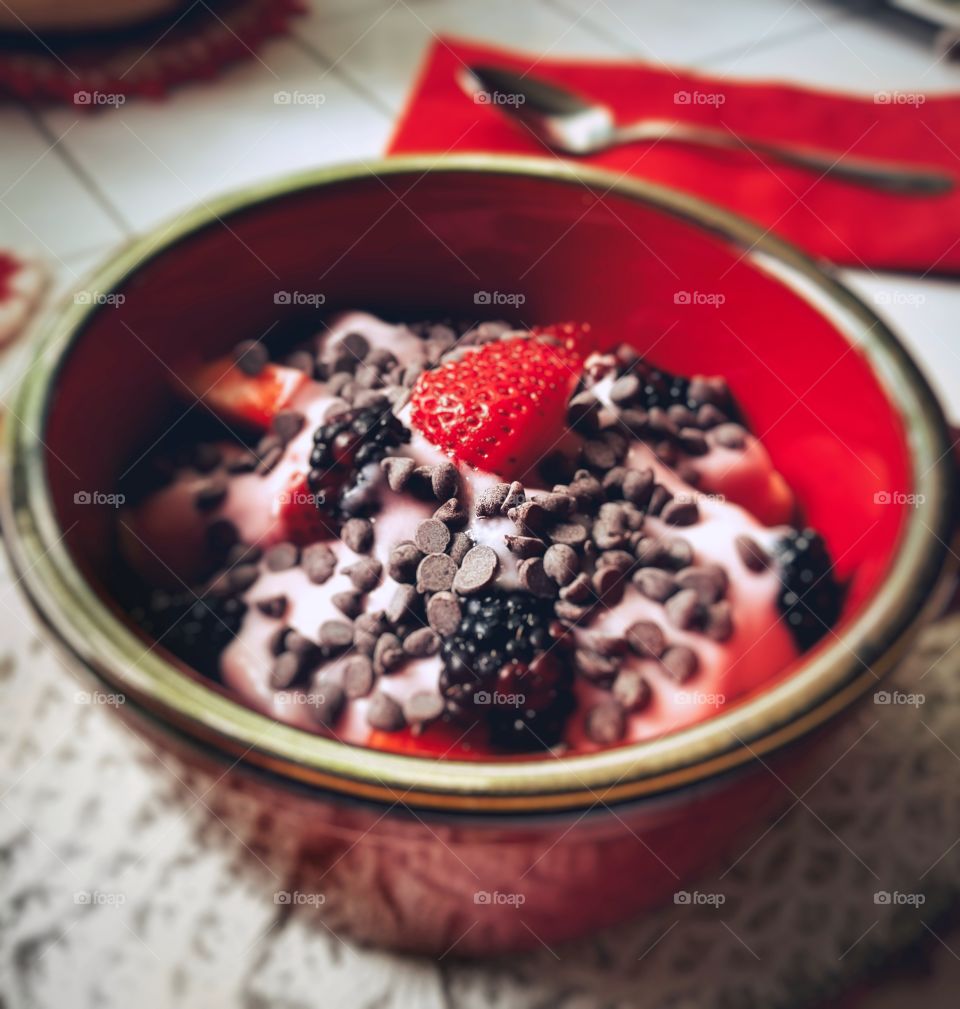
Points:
[(196, 630), (810, 597), (496, 666), (342, 448), (661, 388)]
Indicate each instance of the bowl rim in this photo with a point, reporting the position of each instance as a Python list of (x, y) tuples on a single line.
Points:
[(823, 684)]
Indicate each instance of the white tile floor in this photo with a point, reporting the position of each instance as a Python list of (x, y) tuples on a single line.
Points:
[(73, 186)]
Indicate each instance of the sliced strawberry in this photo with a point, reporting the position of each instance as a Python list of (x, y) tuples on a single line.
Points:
[(298, 509), (438, 740), (251, 401), (501, 407)]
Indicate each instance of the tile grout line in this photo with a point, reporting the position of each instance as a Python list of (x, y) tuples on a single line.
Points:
[(374, 101), (702, 60), (81, 174)]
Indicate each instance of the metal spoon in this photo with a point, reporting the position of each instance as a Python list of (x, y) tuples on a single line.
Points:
[(563, 120)]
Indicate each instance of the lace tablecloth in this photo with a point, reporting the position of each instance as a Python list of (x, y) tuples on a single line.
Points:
[(123, 883)]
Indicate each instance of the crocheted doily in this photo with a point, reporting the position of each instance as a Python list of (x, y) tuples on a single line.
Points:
[(90, 70)]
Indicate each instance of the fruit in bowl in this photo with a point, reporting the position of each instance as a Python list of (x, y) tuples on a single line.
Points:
[(826, 425), (473, 540)]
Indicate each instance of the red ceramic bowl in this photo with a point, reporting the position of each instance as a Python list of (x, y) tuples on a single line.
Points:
[(409, 849)]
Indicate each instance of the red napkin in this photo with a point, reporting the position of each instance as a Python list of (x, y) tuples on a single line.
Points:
[(844, 223)]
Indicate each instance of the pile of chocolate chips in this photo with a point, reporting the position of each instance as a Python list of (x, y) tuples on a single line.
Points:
[(578, 547)]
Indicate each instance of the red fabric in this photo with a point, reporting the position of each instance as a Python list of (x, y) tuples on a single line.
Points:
[(847, 224)]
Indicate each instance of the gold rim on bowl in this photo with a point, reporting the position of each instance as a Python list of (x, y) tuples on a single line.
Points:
[(833, 676)]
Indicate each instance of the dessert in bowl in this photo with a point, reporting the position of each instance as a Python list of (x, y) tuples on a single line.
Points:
[(708, 524)]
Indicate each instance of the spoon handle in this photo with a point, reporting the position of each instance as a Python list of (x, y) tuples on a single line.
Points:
[(879, 174)]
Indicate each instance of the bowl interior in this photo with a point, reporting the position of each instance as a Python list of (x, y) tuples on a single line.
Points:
[(485, 245)]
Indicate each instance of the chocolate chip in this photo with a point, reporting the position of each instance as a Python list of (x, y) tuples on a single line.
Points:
[(251, 357), (300, 645), (709, 416), (402, 605), (599, 455), (708, 390), (436, 573), (693, 442), (606, 723), (655, 584), (358, 678), (269, 459), (625, 389), (730, 436), (680, 512), (206, 457), (326, 702), (451, 513), (718, 624), (570, 613), (403, 561), (319, 562), (285, 669), (335, 635), (660, 422), (583, 412), (281, 556), (302, 360), (287, 424), (631, 690), (561, 563), (525, 546), (557, 505), (350, 604), (490, 501), (608, 584), (635, 421), (677, 553), (709, 581), (609, 534), (275, 606), (514, 498), (432, 536), (646, 639), (595, 667), (355, 344), (384, 713), (619, 559), (460, 547), (398, 470), (571, 534), (242, 577), (754, 557), (365, 573), (211, 493), (243, 553), (534, 578), (381, 359), (660, 497), (638, 486), (478, 570), (242, 462), (443, 613), (221, 535), (277, 642), (423, 707), (445, 481), (358, 535), (580, 590), (421, 643), (388, 653), (683, 609), (587, 489), (679, 663)]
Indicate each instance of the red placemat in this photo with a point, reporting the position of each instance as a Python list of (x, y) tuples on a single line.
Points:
[(847, 224)]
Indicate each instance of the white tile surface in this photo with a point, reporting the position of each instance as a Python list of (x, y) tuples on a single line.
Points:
[(44, 207), (689, 30), (382, 50), (157, 158)]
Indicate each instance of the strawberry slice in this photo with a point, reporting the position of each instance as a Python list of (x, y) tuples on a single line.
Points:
[(304, 522), (501, 407), (251, 401)]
